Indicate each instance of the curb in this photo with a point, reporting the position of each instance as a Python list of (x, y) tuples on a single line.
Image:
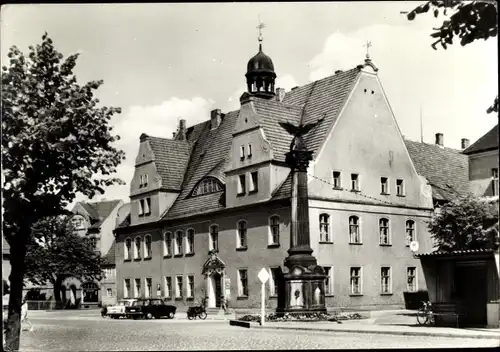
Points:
[(400, 333)]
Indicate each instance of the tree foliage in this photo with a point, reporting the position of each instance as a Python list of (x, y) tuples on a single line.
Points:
[(466, 223), (56, 141), (469, 21), (55, 252)]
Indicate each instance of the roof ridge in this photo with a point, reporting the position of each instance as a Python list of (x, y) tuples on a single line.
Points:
[(459, 151)]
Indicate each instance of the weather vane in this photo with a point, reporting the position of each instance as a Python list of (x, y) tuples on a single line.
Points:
[(259, 27), (368, 45)]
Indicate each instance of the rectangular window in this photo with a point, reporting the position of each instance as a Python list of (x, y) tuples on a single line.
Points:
[(93, 243), (410, 232), (167, 244), (214, 238), (147, 246), (141, 207), (145, 180), (126, 288), (400, 191), (178, 286), (249, 151), (137, 249), (494, 175), (354, 233), (273, 281), (336, 179), (109, 292), (384, 185), (411, 276), (141, 181), (147, 207), (355, 182), (242, 152), (178, 243), (384, 231), (190, 241), (149, 287), (137, 288), (190, 286), (241, 184), (274, 229), (242, 282), (242, 234), (128, 248), (356, 281), (254, 182), (385, 280), (324, 228), (168, 287), (328, 280)]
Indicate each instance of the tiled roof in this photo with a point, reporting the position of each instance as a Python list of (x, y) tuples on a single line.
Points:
[(487, 142), (171, 159), (284, 190), (455, 253), (109, 258), (446, 169), (125, 222), (99, 211)]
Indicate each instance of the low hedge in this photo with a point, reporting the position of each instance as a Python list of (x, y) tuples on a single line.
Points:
[(303, 317)]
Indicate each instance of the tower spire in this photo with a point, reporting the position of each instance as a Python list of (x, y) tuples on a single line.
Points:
[(259, 27)]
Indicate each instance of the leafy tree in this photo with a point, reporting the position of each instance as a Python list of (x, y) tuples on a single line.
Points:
[(466, 223), (56, 141), (470, 21), (55, 252)]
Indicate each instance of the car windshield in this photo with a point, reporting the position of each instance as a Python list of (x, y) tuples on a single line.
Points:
[(123, 303), (138, 303)]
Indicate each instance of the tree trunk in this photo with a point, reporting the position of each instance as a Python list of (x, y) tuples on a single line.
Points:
[(57, 288), (17, 256)]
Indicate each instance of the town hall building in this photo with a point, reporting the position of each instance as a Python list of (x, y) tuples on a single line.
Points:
[(211, 207)]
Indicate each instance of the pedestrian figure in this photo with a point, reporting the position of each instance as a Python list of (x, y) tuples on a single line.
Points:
[(104, 311), (24, 315)]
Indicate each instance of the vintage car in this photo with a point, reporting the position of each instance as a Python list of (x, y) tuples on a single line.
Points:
[(150, 308), (118, 310)]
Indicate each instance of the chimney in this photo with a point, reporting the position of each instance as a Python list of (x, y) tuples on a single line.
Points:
[(439, 139), (465, 143), (280, 94), (215, 119), (181, 130), (338, 71)]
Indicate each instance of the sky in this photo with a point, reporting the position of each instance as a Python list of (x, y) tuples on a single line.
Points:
[(164, 62)]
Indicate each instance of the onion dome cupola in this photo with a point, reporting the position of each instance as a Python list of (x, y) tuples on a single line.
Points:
[(260, 73)]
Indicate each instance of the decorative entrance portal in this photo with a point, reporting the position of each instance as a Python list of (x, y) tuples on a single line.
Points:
[(213, 269)]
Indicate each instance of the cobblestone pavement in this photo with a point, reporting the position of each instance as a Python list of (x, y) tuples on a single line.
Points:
[(91, 333)]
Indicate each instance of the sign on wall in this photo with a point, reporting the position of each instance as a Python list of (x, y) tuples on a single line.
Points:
[(227, 287)]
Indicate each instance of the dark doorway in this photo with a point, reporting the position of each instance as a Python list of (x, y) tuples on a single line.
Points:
[(471, 292), (218, 290), (90, 292)]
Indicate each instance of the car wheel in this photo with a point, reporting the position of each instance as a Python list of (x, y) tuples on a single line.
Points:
[(149, 316), (171, 315)]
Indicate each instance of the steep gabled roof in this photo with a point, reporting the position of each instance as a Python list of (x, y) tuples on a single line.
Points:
[(171, 160), (487, 142), (109, 258), (99, 211), (446, 169)]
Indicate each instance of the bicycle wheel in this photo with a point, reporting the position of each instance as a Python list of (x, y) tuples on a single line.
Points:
[(422, 316), (203, 315)]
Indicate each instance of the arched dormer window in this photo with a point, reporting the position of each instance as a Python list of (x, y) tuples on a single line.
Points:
[(207, 185)]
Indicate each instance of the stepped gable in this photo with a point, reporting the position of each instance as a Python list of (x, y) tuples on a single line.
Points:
[(446, 169), (171, 160), (487, 142)]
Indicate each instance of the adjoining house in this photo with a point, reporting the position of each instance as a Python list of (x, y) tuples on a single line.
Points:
[(210, 207)]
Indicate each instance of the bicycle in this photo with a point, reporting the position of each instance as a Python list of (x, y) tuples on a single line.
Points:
[(425, 316)]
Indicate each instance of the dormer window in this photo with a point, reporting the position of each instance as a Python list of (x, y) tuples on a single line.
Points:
[(143, 181), (206, 186)]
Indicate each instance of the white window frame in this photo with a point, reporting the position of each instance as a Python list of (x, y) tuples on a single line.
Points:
[(147, 206), (414, 229), (389, 283), (324, 235), (380, 227), (189, 289), (249, 150), (271, 235), (415, 279), (148, 252), (137, 291), (190, 242), (127, 255), (178, 242), (385, 186), (400, 190), (330, 275), (148, 289), (242, 152), (109, 292), (167, 247), (360, 280), (126, 289), (241, 184), (141, 207), (137, 250), (241, 290), (358, 182), (178, 291), (254, 181), (211, 238), (239, 242), (168, 287), (146, 180), (272, 283), (339, 179), (359, 229)]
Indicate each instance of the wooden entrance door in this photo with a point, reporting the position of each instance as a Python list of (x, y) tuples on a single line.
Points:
[(218, 290), (471, 289)]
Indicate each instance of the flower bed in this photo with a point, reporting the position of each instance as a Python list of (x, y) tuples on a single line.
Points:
[(304, 317)]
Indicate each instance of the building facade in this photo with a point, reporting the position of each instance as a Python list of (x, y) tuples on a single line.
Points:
[(211, 207)]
